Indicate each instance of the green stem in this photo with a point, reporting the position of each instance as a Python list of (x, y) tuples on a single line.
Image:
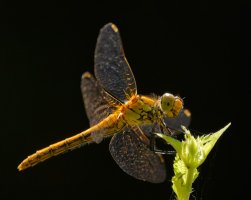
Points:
[(188, 182)]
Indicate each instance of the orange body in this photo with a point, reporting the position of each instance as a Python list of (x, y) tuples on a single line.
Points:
[(134, 112)]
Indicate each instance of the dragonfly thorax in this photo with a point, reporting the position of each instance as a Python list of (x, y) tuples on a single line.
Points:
[(140, 110), (170, 105)]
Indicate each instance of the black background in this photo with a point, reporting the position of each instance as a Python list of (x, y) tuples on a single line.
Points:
[(198, 50)]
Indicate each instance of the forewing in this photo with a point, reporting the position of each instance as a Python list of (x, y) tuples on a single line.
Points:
[(136, 159), (98, 103), (111, 67)]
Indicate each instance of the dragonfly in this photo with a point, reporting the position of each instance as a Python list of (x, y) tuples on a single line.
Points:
[(114, 109)]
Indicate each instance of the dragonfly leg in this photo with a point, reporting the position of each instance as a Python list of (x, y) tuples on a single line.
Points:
[(165, 129), (155, 149), (152, 142), (153, 139)]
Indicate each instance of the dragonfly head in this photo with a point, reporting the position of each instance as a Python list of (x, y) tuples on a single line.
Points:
[(171, 105)]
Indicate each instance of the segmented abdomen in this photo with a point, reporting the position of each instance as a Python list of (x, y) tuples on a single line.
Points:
[(108, 126)]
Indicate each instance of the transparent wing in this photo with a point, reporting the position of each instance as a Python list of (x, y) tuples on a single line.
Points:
[(149, 129), (184, 119), (111, 67), (98, 103), (135, 158)]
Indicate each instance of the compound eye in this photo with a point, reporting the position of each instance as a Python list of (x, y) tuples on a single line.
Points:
[(167, 102)]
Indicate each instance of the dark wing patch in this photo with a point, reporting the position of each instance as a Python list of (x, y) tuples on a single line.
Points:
[(111, 67), (136, 159)]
